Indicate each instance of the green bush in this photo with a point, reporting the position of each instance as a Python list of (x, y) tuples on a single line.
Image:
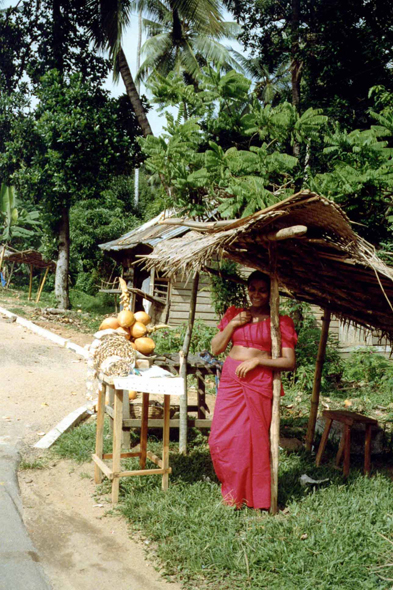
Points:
[(225, 293), (171, 340), (309, 335)]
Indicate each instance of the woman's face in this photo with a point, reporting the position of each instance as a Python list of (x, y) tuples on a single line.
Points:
[(259, 293)]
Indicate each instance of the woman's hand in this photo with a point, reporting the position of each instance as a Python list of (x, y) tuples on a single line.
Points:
[(244, 317), (246, 366)]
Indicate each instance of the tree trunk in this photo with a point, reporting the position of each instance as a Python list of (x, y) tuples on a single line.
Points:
[(138, 87), (295, 63), (133, 94), (186, 348), (63, 261)]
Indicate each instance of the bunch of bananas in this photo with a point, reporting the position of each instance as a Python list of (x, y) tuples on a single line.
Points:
[(125, 295)]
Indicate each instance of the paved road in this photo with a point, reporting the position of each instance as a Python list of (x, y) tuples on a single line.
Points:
[(40, 384), (27, 383)]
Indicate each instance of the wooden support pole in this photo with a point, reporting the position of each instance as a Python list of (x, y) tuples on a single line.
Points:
[(10, 275), (286, 233), (42, 285), (317, 380), (100, 432), (2, 257), (183, 402), (165, 438), (31, 281), (276, 353)]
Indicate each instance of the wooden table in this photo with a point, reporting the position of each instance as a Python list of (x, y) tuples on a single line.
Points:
[(121, 385), (201, 369), (348, 419)]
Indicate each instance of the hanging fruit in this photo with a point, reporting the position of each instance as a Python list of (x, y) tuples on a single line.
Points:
[(125, 295), (126, 318), (144, 345), (143, 317), (110, 324), (138, 330)]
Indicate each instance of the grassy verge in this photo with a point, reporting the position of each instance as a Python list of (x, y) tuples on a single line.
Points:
[(337, 535), (87, 311)]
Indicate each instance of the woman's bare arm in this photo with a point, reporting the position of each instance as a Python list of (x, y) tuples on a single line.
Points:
[(220, 340)]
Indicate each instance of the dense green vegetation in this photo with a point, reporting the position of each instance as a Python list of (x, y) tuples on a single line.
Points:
[(301, 115)]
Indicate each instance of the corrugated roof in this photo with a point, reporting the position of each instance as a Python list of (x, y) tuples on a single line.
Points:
[(150, 233)]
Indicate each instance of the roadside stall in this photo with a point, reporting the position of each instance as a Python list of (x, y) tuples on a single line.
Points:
[(33, 259), (308, 247)]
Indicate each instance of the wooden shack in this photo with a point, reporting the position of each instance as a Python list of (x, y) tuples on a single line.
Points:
[(169, 298)]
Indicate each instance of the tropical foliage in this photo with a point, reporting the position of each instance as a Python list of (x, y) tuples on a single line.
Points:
[(14, 220)]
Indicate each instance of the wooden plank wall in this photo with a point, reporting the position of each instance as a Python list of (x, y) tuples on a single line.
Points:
[(180, 302)]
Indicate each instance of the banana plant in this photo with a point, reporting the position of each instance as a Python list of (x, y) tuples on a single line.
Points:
[(12, 219)]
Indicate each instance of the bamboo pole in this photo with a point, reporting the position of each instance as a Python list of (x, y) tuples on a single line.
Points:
[(42, 285), (183, 402), (2, 257), (317, 379), (276, 352), (31, 281), (10, 275)]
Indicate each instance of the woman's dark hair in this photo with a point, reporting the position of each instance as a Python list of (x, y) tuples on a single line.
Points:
[(257, 275)]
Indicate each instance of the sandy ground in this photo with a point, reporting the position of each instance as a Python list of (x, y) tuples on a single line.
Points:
[(80, 548)]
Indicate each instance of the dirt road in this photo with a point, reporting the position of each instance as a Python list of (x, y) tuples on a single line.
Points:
[(79, 547)]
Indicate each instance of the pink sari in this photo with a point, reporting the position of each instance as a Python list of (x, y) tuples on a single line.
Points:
[(239, 437)]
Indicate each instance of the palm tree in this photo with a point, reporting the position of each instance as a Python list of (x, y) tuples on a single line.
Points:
[(107, 21), (180, 42), (268, 85)]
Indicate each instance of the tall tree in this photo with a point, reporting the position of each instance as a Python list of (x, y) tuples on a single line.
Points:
[(107, 22), (184, 43), (338, 50)]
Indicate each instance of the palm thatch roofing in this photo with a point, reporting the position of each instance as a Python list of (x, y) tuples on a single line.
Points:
[(330, 265), (31, 257)]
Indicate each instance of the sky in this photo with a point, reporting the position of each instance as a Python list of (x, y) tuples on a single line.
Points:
[(156, 120)]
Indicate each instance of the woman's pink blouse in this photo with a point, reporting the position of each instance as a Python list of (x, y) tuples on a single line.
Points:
[(257, 335)]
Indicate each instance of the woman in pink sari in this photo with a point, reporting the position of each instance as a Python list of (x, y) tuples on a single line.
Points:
[(239, 438)]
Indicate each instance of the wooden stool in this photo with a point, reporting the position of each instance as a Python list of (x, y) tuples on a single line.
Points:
[(348, 419), (114, 473)]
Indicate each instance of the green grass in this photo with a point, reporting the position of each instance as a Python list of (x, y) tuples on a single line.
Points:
[(25, 464), (330, 537), (88, 310)]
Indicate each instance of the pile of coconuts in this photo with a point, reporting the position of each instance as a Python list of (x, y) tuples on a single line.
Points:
[(135, 328)]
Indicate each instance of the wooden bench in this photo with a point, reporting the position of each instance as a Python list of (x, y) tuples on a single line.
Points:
[(348, 419)]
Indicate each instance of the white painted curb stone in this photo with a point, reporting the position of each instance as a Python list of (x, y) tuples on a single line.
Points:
[(42, 331), (62, 427)]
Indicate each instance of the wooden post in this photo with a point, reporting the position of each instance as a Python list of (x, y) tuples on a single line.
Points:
[(42, 285), (100, 431), (317, 379), (31, 281), (276, 353), (165, 442), (183, 402), (2, 257), (144, 427), (116, 453), (10, 275)]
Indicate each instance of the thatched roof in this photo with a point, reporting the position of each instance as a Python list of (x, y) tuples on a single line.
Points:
[(31, 257), (330, 265)]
